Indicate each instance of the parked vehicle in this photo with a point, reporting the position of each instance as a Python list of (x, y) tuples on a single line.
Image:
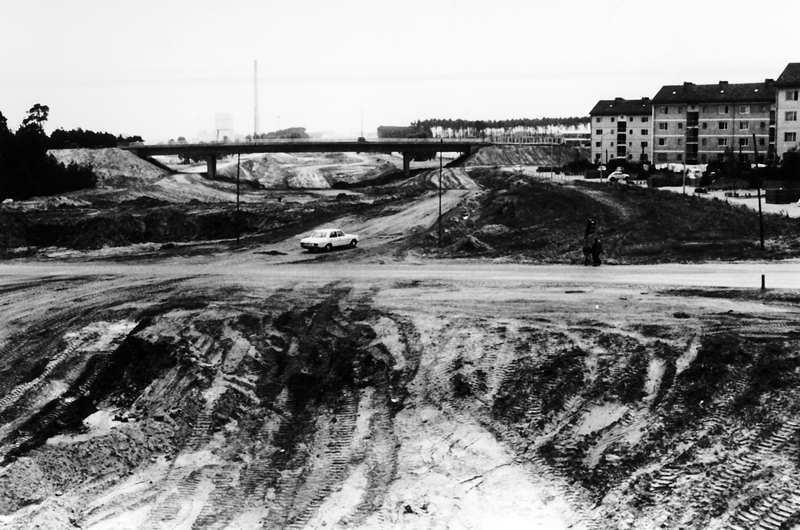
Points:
[(326, 239), (618, 174)]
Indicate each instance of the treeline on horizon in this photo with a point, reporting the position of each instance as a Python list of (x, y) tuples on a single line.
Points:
[(26, 170), (425, 128), (481, 125)]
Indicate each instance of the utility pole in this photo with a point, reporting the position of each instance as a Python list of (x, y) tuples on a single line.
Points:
[(236, 221), (440, 193), (255, 88), (758, 179)]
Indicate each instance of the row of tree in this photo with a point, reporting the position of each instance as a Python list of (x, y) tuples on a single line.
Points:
[(26, 169), (78, 138), (291, 133), (481, 126)]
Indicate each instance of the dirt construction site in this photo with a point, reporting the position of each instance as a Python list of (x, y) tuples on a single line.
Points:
[(171, 361)]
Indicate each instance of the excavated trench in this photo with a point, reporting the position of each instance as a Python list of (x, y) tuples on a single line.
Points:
[(309, 409)]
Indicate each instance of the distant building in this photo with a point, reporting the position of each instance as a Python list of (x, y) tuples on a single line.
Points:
[(787, 107), (621, 128), (696, 124), (577, 138)]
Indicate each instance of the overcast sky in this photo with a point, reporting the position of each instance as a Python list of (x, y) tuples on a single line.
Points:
[(165, 68)]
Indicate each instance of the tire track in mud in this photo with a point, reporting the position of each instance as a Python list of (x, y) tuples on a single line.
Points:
[(275, 481), (502, 352), (686, 489), (17, 393)]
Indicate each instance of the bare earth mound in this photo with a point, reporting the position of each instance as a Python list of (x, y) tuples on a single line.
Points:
[(300, 398), (113, 167), (525, 155)]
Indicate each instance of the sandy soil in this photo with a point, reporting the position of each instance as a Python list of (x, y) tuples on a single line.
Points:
[(265, 387), (422, 452)]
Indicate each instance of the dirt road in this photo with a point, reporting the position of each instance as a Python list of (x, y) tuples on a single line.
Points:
[(260, 268)]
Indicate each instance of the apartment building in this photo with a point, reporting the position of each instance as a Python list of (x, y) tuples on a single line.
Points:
[(621, 128), (696, 124), (787, 108)]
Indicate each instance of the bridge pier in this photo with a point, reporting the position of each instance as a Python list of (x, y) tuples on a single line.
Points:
[(211, 166), (406, 163)]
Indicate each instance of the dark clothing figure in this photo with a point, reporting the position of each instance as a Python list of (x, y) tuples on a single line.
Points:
[(597, 250), (587, 241)]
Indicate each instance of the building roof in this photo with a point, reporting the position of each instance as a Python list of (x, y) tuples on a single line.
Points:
[(619, 106), (722, 92), (790, 75)]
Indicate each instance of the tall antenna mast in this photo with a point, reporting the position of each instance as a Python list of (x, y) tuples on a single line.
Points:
[(255, 87)]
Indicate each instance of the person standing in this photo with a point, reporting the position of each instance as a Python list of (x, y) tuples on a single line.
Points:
[(597, 250), (588, 235)]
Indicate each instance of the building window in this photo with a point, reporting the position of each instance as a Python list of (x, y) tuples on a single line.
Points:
[(661, 157), (612, 119), (743, 125), (680, 110), (744, 109), (705, 108), (662, 141), (680, 157), (703, 141), (791, 115), (790, 137), (705, 125), (645, 132), (645, 119), (598, 131), (722, 142), (762, 141), (598, 144), (744, 142), (723, 109), (598, 120), (612, 144), (723, 125), (704, 158), (662, 110), (662, 126), (645, 144), (763, 108), (680, 142), (680, 125), (630, 144), (763, 125), (791, 95)]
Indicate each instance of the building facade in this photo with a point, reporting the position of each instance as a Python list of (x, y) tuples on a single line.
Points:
[(787, 109), (621, 128), (697, 124)]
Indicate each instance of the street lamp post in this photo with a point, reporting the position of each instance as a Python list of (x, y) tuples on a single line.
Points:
[(601, 142)]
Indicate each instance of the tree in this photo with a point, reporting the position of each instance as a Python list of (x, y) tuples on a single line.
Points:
[(36, 118), (26, 170), (790, 165)]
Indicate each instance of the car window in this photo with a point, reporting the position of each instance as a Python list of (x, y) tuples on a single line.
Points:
[(333, 234), (319, 233)]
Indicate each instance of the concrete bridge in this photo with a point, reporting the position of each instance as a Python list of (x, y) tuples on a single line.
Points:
[(410, 148)]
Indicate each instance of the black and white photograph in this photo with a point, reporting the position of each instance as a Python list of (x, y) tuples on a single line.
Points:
[(412, 265)]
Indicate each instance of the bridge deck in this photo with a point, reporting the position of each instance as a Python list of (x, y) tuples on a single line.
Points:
[(411, 146)]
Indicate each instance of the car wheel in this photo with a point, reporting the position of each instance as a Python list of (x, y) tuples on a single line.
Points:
[(353, 243), (328, 247)]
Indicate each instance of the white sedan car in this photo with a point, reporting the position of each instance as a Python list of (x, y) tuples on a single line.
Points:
[(327, 239)]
